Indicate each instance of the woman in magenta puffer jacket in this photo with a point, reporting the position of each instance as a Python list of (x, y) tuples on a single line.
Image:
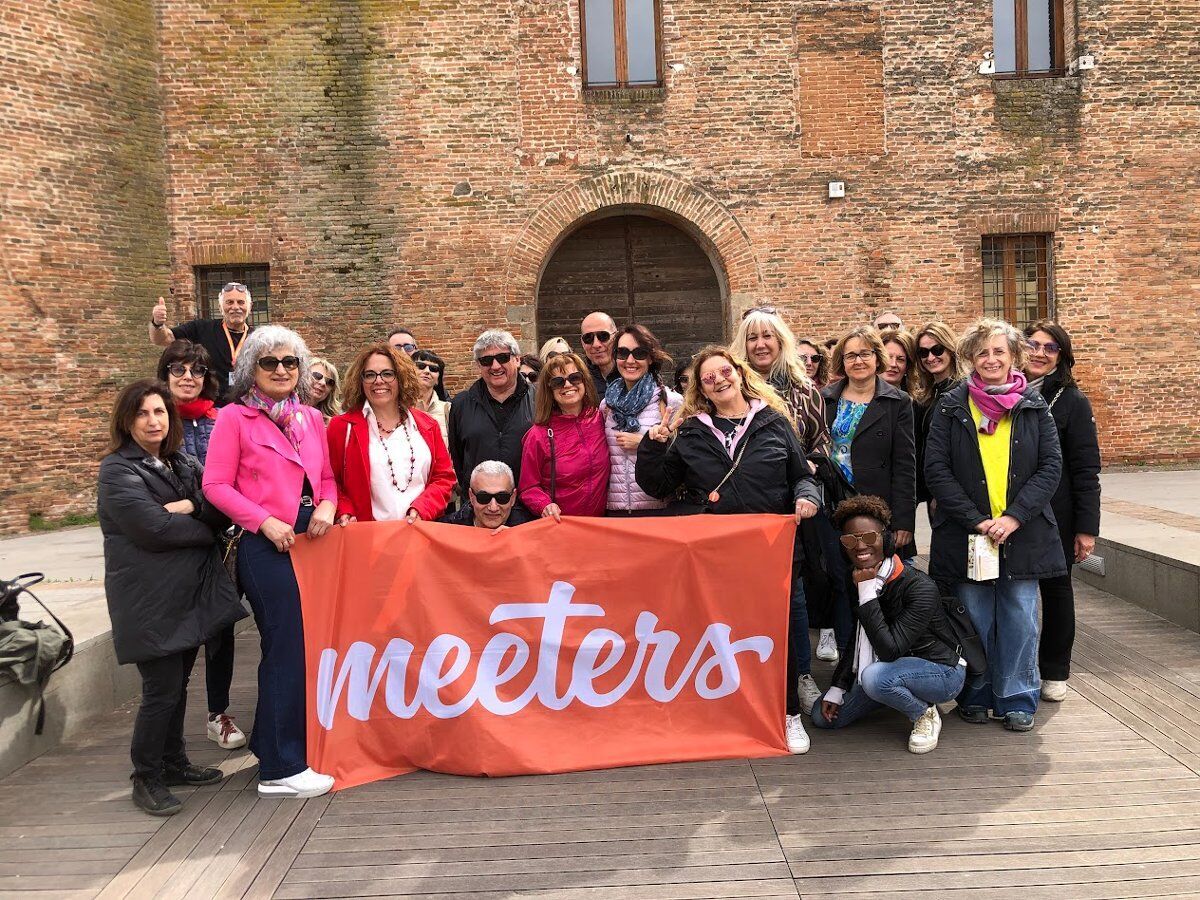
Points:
[(632, 405), (564, 457)]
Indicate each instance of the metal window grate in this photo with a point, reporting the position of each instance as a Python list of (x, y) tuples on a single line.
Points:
[(210, 280), (1017, 277)]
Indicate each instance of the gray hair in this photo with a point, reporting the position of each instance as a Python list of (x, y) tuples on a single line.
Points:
[(978, 334), (496, 337), (229, 290), (493, 467), (257, 344)]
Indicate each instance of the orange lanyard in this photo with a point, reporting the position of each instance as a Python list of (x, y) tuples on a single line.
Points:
[(233, 351)]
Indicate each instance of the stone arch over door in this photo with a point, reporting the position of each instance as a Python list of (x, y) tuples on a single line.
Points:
[(630, 192)]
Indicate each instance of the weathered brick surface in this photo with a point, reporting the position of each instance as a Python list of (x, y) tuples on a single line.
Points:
[(419, 161)]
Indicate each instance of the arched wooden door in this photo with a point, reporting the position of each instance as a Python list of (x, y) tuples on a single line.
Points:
[(637, 269)]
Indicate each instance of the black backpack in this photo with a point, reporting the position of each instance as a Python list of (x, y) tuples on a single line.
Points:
[(13, 628), (962, 636)]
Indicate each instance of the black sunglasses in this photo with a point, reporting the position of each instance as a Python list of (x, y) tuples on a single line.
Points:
[(483, 498), (590, 337), (271, 363), (935, 350), (503, 358), (638, 353), (531, 377), (320, 378), (180, 369), (428, 366), (558, 382)]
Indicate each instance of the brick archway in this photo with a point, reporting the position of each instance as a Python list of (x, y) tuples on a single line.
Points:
[(657, 194)]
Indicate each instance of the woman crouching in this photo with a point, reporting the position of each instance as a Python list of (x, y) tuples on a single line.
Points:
[(896, 657)]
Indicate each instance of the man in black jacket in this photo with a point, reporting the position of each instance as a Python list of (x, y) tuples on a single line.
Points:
[(491, 501), (489, 419), (897, 657)]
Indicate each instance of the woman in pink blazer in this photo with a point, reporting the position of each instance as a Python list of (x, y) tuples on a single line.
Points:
[(268, 470)]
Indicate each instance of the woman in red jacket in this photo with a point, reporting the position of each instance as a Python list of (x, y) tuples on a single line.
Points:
[(564, 457), (388, 457)]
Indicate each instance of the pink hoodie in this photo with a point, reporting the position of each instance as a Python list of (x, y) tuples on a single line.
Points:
[(582, 465)]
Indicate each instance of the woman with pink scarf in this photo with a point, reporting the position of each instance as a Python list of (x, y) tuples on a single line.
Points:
[(992, 462)]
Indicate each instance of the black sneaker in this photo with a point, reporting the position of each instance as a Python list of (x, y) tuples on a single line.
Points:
[(152, 796), (191, 774)]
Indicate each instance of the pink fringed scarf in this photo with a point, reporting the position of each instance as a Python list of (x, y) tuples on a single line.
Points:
[(995, 401)]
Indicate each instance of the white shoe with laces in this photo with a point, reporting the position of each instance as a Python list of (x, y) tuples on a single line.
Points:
[(300, 786), (827, 646), (797, 737), (809, 694), (925, 732), (223, 730), (1054, 691)]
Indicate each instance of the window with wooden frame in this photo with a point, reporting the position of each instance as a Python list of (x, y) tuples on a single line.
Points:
[(1017, 278), (622, 43), (210, 280), (1027, 37)]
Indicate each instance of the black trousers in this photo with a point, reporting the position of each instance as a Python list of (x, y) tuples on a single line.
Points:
[(218, 670), (158, 728), (1058, 627)]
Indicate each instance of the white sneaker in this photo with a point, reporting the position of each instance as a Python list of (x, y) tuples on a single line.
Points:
[(925, 732), (797, 738), (1054, 691), (300, 786), (827, 646), (223, 730), (809, 693)]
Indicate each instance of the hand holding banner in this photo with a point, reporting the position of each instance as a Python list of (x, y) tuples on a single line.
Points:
[(551, 647)]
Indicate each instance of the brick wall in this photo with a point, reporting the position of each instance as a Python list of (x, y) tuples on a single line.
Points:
[(418, 162), (83, 238)]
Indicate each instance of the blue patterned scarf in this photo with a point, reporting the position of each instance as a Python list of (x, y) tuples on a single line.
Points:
[(627, 404)]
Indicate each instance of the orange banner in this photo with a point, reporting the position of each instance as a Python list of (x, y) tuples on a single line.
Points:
[(551, 647)]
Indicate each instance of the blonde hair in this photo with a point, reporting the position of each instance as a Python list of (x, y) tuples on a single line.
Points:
[(788, 364), (332, 404), (753, 386), (554, 345), (981, 332), (944, 335), (869, 334), (904, 338)]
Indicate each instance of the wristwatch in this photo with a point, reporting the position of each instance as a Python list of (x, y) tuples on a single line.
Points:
[(154, 324)]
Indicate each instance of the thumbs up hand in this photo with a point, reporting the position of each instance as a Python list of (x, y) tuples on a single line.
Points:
[(158, 315)]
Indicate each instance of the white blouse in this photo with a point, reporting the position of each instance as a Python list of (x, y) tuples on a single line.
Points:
[(410, 462)]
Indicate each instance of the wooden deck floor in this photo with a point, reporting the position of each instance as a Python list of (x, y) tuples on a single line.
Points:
[(1101, 800)]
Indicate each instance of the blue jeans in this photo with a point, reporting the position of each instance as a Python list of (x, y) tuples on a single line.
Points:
[(279, 735), (1005, 615), (909, 685)]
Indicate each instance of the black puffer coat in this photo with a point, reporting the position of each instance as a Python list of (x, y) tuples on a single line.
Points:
[(906, 619), (1076, 503), (954, 473), (772, 475), (475, 434), (167, 588)]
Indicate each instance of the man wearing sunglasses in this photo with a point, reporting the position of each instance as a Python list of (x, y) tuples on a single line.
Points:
[(492, 500), (489, 419), (598, 335), (402, 341), (222, 338)]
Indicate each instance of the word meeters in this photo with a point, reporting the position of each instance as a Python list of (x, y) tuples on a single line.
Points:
[(506, 655)]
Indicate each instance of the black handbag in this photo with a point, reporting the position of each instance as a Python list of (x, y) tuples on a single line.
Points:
[(834, 485), (963, 637)]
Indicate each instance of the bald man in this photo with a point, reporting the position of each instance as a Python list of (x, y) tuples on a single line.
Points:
[(598, 334)]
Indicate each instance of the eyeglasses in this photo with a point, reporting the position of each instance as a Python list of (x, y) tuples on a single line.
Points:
[(725, 372), (590, 337), (409, 348), (809, 358), (863, 355), (935, 350), (483, 498), (558, 382), (503, 358), (866, 538), (639, 353), (271, 363), (769, 310), (321, 378), (422, 365), (554, 353), (180, 369), (234, 286), (1050, 348), (387, 376), (530, 376)]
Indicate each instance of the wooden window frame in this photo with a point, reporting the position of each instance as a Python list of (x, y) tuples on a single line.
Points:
[(1009, 244), (621, 49), (1058, 49)]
